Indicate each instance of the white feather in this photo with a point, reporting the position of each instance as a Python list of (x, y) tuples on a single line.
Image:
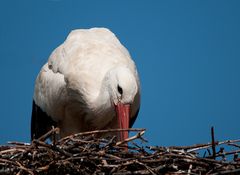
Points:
[(71, 87)]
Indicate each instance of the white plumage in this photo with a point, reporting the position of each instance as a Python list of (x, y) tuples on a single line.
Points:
[(81, 85)]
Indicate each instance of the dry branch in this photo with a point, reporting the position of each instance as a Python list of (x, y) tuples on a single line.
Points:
[(85, 153)]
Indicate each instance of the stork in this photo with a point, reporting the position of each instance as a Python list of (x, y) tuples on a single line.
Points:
[(89, 83)]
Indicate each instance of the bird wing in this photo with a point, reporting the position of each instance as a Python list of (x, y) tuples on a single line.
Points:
[(48, 101), (133, 119), (40, 123)]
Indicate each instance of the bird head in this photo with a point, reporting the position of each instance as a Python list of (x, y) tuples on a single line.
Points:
[(123, 88)]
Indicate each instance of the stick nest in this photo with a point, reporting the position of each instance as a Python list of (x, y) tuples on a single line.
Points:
[(85, 153)]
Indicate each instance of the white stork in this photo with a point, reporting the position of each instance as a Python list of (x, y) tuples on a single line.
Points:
[(89, 83)]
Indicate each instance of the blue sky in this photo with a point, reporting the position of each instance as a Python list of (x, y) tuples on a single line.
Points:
[(187, 54)]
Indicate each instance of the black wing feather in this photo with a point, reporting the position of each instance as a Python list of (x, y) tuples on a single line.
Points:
[(132, 120), (40, 123)]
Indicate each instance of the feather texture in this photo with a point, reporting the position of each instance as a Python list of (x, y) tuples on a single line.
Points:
[(76, 87)]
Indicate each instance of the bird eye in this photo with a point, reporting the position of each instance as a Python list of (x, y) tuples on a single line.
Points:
[(120, 90)]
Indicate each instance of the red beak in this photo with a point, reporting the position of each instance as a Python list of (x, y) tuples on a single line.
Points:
[(123, 111)]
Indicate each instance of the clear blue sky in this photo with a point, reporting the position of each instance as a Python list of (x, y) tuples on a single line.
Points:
[(187, 54)]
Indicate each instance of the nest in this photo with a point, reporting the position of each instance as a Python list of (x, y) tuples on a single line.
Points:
[(84, 153)]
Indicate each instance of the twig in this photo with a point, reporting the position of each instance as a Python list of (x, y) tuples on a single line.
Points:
[(213, 143), (24, 168), (101, 131), (48, 134), (189, 169), (138, 135)]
